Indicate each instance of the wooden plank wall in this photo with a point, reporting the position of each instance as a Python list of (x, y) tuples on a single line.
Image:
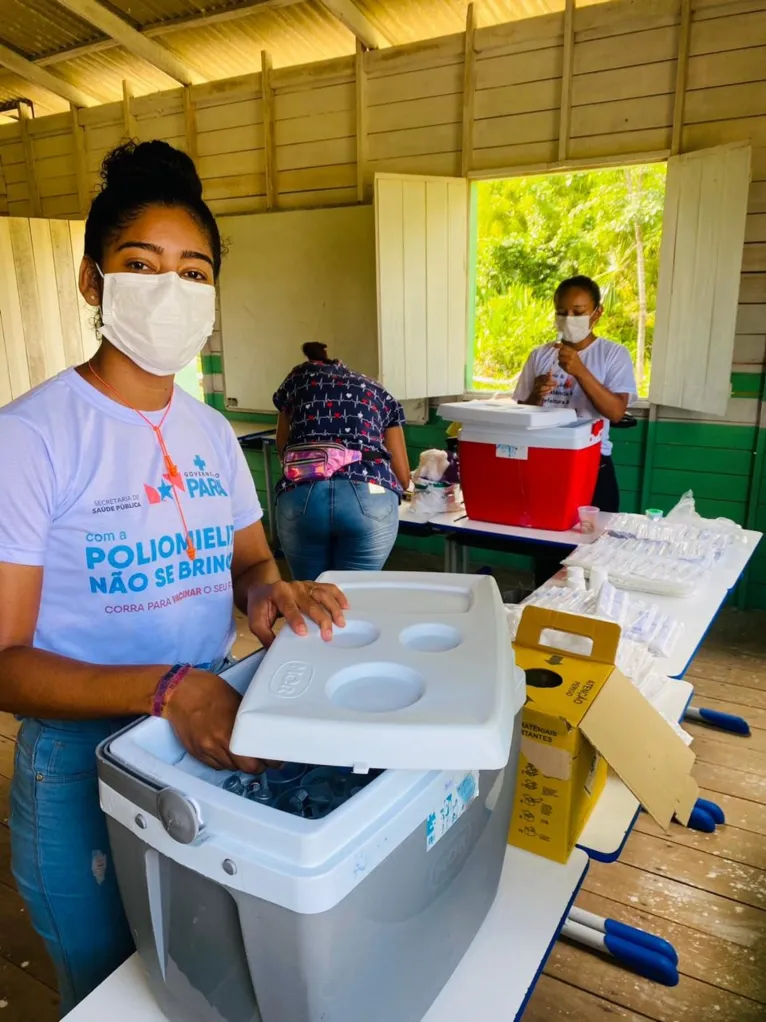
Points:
[(422, 109), (44, 325), (412, 102)]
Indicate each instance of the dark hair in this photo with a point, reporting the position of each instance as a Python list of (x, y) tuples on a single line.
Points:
[(579, 283), (315, 351), (137, 175)]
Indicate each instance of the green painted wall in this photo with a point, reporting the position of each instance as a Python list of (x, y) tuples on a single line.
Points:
[(656, 462)]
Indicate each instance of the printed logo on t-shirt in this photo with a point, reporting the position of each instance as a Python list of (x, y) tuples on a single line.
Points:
[(563, 392), (196, 483), (118, 563)]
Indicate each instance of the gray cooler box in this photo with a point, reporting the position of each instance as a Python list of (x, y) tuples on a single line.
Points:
[(242, 912)]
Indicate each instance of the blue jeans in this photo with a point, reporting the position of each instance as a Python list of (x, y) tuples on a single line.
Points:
[(60, 853), (336, 525)]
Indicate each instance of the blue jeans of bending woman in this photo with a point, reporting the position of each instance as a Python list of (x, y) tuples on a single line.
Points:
[(336, 525), (60, 852)]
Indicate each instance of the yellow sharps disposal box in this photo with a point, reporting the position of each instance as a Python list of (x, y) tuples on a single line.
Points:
[(583, 716)]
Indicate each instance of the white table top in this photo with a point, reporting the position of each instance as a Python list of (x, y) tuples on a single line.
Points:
[(497, 973), (612, 819), (697, 614), (726, 575), (407, 517), (736, 559), (458, 522)]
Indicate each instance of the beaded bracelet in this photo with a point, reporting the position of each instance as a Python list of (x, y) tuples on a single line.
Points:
[(166, 686)]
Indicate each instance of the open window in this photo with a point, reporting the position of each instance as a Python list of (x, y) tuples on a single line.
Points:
[(698, 290), (530, 232), (421, 226), (423, 280)]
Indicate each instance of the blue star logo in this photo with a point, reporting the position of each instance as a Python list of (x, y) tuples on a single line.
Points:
[(165, 490), (200, 463)]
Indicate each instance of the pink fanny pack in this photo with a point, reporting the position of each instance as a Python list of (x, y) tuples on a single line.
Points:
[(306, 462)]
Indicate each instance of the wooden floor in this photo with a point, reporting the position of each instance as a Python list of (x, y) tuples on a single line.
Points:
[(705, 893)]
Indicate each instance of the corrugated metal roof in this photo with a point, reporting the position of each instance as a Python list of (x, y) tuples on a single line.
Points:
[(101, 74), (151, 12), (12, 88), (295, 33), (407, 21), (36, 27)]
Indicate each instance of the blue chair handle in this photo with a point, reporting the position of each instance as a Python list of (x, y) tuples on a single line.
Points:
[(701, 820), (643, 961), (713, 809), (614, 928), (724, 721)]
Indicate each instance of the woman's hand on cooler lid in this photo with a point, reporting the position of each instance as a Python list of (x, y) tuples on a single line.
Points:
[(295, 601), (202, 711)]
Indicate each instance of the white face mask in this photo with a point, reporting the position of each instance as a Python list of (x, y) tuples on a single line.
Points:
[(158, 320), (573, 329)]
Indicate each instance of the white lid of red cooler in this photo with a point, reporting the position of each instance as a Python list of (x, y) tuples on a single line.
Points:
[(505, 413), (422, 677)]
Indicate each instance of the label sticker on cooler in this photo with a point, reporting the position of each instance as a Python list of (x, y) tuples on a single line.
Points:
[(508, 451), (459, 792)]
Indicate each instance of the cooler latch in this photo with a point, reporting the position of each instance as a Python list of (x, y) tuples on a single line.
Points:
[(180, 816)]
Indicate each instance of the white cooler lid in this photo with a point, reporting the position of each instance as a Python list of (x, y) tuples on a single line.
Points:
[(423, 677), (500, 414)]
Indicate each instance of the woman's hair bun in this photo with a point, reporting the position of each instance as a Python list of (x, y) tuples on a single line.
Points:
[(315, 351), (136, 176), (138, 168)]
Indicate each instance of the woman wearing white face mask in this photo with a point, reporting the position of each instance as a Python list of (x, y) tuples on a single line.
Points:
[(129, 529), (582, 371)]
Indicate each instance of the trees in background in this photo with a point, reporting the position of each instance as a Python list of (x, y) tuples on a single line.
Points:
[(533, 232)]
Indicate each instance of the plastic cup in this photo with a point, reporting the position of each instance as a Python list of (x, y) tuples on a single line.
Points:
[(598, 576), (588, 518), (575, 577)]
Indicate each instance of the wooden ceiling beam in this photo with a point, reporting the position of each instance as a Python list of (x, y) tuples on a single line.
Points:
[(32, 72), (356, 21), (135, 42)]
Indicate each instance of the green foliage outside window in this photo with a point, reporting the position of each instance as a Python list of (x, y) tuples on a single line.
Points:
[(533, 232)]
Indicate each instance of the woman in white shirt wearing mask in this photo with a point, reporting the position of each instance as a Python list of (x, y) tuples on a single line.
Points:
[(129, 530), (582, 371)]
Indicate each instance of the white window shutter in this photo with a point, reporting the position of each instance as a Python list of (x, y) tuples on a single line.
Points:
[(421, 228), (45, 323), (703, 234)]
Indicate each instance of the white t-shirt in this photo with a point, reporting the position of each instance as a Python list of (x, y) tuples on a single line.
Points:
[(85, 494), (609, 362)]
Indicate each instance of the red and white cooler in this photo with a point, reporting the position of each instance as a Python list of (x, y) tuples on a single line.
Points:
[(521, 465)]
